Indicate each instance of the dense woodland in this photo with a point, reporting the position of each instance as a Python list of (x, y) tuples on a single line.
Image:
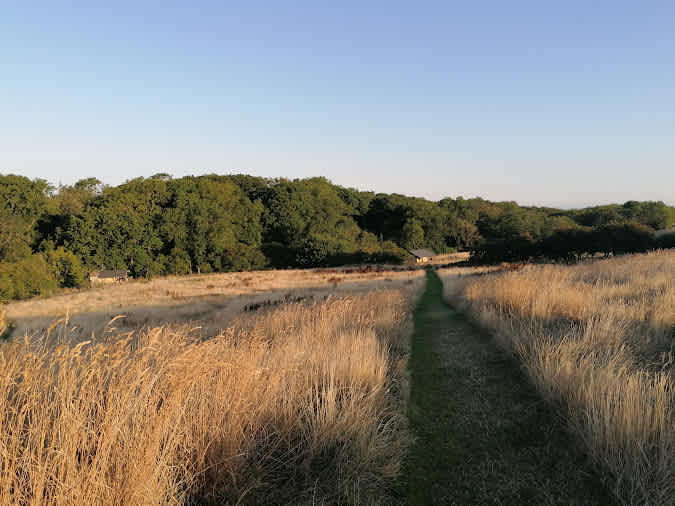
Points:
[(50, 237)]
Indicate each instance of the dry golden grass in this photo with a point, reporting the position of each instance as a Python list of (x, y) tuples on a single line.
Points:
[(597, 340), (175, 290), (300, 404), (450, 258), (454, 278), (3, 321), (209, 301)]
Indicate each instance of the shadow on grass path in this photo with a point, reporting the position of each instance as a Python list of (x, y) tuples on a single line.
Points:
[(483, 436)]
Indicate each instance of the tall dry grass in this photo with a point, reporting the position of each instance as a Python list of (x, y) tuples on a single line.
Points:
[(597, 340), (4, 324), (172, 291), (210, 300), (301, 404)]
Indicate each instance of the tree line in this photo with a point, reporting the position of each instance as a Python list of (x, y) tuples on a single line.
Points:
[(51, 237)]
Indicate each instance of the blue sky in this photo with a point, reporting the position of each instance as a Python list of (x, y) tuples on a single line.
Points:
[(557, 103)]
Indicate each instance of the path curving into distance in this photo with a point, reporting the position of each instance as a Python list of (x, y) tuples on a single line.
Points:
[(482, 435)]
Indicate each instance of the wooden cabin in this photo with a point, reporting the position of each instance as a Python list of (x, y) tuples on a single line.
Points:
[(108, 276), (422, 256)]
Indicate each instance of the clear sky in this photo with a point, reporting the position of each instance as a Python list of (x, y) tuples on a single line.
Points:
[(558, 103)]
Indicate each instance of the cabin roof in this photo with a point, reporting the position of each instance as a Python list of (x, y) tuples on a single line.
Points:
[(421, 253)]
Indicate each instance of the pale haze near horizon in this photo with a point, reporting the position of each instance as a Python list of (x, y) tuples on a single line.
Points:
[(565, 106)]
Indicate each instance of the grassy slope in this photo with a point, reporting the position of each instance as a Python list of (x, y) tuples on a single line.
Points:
[(483, 435)]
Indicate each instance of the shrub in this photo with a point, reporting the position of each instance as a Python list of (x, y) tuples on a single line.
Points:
[(623, 238), (67, 267), (665, 241), (26, 278)]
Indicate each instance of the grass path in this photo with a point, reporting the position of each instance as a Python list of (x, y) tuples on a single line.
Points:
[(482, 434)]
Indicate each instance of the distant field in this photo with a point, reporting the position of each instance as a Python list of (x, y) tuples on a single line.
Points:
[(596, 339), (209, 300), (303, 403)]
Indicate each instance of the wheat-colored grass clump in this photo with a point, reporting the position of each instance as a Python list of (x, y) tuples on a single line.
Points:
[(597, 340), (302, 404), (3, 321)]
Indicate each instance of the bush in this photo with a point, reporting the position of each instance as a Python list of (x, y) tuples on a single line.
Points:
[(665, 241), (66, 267), (622, 238), (392, 253), (26, 278), (569, 244), (314, 252), (178, 262)]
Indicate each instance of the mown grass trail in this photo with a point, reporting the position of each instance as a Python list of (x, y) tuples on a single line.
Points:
[(482, 434)]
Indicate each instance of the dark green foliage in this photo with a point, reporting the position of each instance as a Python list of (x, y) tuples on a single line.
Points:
[(391, 253), (569, 244), (22, 202), (178, 262), (311, 222), (655, 215), (620, 238), (314, 251), (20, 196), (412, 235), (665, 241), (462, 234), (16, 236), (160, 225)]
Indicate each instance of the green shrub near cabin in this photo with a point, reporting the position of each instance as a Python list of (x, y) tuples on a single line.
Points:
[(28, 277)]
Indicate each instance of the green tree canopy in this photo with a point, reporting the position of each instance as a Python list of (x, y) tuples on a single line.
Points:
[(161, 225)]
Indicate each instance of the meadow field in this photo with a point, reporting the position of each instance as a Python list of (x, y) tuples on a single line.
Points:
[(294, 387), (301, 402), (596, 339), (208, 300), (310, 254)]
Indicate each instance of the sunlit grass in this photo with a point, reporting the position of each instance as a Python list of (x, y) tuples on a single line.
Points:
[(3, 322), (597, 340), (300, 404), (212, 300)]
